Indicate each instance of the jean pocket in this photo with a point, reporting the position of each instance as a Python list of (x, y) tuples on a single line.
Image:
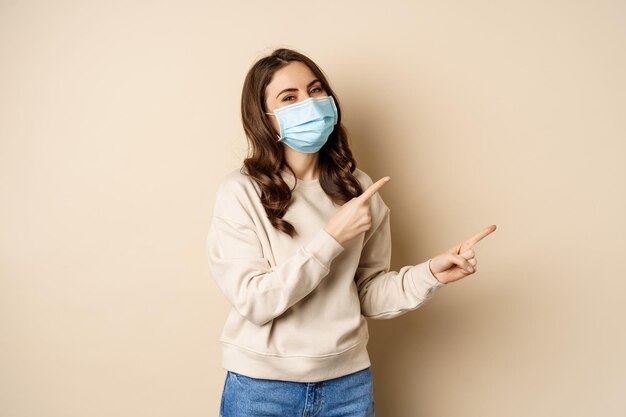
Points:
[(237, 378)]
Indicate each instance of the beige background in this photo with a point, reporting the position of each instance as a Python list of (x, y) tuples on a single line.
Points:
[(119, 117)]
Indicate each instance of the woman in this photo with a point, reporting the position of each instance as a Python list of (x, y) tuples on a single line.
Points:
[(300, 246)]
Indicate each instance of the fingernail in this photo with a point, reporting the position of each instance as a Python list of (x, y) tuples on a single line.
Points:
[(470, 269)]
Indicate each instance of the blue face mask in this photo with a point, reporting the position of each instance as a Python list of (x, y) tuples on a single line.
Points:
[(305, 126)]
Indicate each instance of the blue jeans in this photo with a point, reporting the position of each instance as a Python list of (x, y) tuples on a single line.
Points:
[(347, 396)]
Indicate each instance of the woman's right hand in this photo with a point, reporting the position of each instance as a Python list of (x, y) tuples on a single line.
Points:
[(354, 216)]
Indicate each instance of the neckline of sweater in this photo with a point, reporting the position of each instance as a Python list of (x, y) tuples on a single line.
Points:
[(289, 177)]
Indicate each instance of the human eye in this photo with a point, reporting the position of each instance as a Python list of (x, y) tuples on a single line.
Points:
[(286, 98), (316, 89)]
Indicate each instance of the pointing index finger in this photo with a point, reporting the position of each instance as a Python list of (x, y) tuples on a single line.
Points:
[(372, 189), (480, 235)]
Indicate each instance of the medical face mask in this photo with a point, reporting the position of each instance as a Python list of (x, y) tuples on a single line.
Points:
[(305, 126)]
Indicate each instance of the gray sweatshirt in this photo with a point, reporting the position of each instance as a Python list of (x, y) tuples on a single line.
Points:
[(299, 305)]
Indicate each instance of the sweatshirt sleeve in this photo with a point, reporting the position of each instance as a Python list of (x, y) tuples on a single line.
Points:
[(386, 294), (259, 291)]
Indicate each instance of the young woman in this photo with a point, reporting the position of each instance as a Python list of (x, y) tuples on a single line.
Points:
[(300, 245)]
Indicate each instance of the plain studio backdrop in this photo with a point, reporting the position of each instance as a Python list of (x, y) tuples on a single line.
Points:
[(118, 119)]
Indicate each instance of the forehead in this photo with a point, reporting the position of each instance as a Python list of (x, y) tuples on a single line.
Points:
[(293, 75)]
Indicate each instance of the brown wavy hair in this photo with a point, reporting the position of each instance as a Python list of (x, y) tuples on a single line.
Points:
[(266, 156)]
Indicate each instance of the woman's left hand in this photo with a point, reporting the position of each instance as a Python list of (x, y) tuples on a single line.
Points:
[(458, 261)]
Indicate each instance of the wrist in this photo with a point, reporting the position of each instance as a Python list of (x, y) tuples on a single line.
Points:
[(334, 236), (432, 273)]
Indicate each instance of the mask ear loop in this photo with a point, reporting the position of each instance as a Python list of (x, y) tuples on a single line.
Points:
[(278, 136)]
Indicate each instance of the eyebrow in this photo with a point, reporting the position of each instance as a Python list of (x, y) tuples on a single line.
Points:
[(295, 89)]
